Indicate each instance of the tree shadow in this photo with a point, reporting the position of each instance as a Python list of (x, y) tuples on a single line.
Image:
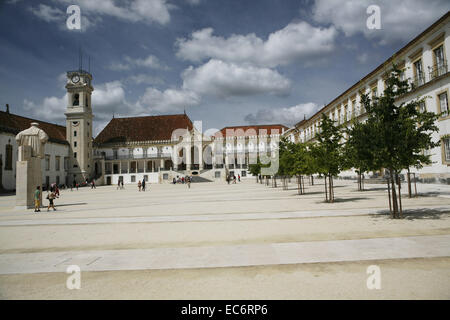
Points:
[(71, 204), (416, 214), (340, 200)]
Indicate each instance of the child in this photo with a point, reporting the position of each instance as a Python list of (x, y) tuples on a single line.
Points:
[(51, 196)]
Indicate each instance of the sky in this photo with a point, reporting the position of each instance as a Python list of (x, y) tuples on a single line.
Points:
[(223, 62)]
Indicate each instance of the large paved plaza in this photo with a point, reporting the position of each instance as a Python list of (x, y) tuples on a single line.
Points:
[(219, 241)]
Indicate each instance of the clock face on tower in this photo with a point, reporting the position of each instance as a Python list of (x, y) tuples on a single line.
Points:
[(75, 78)]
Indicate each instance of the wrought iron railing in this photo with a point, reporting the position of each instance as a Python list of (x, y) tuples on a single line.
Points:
[(438, 69)]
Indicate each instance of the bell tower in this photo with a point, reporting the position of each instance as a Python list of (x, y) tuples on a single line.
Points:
[(79, 125)]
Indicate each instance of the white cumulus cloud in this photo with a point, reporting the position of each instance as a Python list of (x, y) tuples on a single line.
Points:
[(169, 100), (287, 116), (400, 19), (296, 41), (228, 79)]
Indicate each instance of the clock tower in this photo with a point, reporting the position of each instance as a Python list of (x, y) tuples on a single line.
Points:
[(79, 126)]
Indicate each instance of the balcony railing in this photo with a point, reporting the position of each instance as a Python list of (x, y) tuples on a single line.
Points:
[(419, 80), (139, 156), (438, 70)]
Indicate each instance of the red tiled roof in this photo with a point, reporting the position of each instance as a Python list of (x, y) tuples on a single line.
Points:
[(14, 124), (251, 130), (148, 128)]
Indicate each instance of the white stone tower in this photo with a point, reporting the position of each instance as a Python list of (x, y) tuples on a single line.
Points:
[(79, 126)]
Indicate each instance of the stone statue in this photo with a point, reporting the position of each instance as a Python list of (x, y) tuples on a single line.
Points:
[(33, 137), (31, 144)]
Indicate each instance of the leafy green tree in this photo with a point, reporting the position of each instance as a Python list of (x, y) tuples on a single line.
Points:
[(399, 133), (303, 164), (286, 159), (328, 153), (357, 150), (255, 169)]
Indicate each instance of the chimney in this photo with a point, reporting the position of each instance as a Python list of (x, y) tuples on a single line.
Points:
[(7, 108)]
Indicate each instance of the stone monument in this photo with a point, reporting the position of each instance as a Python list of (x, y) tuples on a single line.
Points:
[(31, 144)]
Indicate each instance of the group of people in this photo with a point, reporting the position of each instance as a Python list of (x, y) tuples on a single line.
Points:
[(183, 180), (141, 186), (233, 178), (52, 194)]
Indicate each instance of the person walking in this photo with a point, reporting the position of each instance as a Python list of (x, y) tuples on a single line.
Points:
[(143, 185), (121, 184), (239, 177), (74, 183), (56, 191), (118, 185), (139, 185), (51, 197), (234, 179), (93, 184), (188, 181), (37, 199)]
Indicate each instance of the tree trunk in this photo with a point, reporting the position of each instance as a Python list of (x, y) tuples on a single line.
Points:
[(400, 196), (394, 195), (359, 181), (312, 180), (326, 191), (389, 196), (331, 188), (409, 184), (415, 185)]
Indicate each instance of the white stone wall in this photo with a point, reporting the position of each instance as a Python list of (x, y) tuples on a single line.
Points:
[(52, 149)]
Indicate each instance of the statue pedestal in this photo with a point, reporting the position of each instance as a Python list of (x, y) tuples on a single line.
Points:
[(28, 177)]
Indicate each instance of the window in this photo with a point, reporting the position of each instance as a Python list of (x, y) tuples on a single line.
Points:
[(47, 162), (8, 160), (66, 163), (76, 99), (57, 180), (217, 174), (133, 178), (419, 78), (439, 68), (75, 144), (374, 92), (422, 107), (75, 155), (146, 178), (443, 104), (57, 159), (74, 133), (446, 146)]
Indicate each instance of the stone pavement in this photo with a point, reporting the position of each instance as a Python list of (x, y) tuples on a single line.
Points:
[(229, 256), (215, 225)]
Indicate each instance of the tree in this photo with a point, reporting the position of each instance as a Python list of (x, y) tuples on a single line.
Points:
[(357, 150), (286, 159), (255, 169), (399, 133), (328, 153), (304, 164)]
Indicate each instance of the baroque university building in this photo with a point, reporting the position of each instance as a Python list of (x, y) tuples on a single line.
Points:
[(424, 62), (160, 148), (151, 148)]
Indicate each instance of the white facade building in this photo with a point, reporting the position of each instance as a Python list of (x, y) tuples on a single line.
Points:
[(424, 62)]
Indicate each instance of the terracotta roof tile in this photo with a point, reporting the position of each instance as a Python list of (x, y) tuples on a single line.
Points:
[(148, 128), (14, 124)]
